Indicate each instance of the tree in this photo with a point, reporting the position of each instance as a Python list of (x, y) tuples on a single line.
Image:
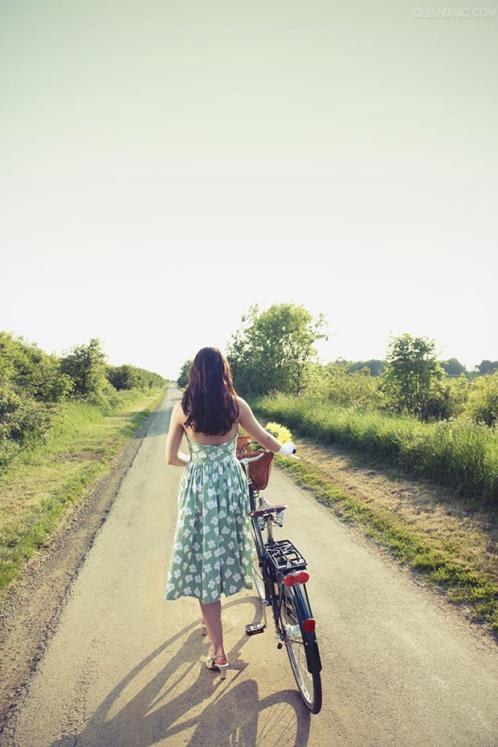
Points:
[(132, 377), (374, 366), (413, 376), (30, 371), (453, 367), (182, 379), (483, 399), (273, 348), (487, 367), (86, 366)]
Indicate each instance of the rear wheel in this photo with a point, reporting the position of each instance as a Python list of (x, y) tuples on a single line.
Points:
[(294, 610)]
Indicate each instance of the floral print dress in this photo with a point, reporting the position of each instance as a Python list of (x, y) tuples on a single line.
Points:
[(213, 546)]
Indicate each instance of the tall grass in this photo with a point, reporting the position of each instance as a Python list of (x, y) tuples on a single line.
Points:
[(458, 453), (438, 561), (39, 486)]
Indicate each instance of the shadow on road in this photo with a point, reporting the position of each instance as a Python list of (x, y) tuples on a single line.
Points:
[(183, 699)]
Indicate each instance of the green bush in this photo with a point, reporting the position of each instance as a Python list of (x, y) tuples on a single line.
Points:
[(334, 383), (32, 384), (29, 370), (182, 379), (23, 421), (482, 403), (131, 377), (106, 398), (374, 366), (85, 365), (459, 387), (458, 453)]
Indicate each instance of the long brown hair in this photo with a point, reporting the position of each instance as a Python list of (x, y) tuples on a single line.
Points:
[(210, 400)]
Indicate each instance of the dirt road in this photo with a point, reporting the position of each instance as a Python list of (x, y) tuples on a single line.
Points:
[(125, 667)]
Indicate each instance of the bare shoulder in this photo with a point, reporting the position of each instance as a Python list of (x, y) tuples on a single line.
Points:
[(245, 413), (178, 414), (244, 407)]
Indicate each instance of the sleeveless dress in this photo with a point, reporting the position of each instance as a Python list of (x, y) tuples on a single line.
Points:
[(213, 546)]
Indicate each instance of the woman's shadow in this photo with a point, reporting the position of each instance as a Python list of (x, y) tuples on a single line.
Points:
[(230, 715)]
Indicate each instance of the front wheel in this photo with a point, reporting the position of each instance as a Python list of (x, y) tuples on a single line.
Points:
[(301, 646)]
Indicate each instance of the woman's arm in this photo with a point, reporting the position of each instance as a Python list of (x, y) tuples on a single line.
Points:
[(251, 425), (174, 439)]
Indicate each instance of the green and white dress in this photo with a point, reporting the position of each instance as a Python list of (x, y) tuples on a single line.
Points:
[(213, 546)]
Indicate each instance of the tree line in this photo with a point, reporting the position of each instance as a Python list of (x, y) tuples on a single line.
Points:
[(274, 351), (451, 366), (33, 383)]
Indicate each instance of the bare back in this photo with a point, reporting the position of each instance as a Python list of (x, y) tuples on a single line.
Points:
[(246, 419), (205, 438)]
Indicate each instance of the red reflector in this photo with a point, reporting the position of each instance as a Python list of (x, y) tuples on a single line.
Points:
[(299, 577), (308, 625)]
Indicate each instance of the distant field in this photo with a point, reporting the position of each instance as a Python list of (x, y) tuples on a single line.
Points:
[(42, 483)]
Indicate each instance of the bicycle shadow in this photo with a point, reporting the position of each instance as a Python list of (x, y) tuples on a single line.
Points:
[(230, 714)]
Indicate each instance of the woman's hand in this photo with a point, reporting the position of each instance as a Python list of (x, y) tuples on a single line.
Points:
[(287, 449), (180, 460)]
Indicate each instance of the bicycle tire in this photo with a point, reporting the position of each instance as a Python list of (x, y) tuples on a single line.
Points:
[(305, 667)]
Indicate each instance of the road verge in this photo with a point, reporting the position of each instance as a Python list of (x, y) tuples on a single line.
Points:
[(32, 604), (437, 560)]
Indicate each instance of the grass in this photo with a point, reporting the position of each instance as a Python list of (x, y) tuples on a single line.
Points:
[(41, 484), (460, 454), (440, 563)]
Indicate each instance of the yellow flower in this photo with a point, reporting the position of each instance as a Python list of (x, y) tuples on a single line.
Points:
[(280, 432)]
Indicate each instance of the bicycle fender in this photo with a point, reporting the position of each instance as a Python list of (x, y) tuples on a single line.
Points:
[(310, 644)]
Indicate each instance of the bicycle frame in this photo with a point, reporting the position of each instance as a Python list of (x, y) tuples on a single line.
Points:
[(273, 579)]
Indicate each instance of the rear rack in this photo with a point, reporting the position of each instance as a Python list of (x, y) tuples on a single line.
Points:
[(284, 556)]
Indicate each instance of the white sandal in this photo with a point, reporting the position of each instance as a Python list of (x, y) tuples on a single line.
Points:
[(212, 664)]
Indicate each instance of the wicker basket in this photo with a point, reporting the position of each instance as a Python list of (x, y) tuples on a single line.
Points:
[(259, 471), (242, 442)]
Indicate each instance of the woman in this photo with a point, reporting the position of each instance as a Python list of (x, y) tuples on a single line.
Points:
[(213, 546)]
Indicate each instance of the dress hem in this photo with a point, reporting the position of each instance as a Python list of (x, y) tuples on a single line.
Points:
[(193, 596)]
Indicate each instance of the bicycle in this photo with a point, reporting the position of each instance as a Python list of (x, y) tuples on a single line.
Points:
[(280, 576)]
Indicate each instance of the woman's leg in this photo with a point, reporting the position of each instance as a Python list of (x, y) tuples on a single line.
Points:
[(212, 616)]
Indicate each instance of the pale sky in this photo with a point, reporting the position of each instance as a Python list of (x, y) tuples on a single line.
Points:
[(164, 165)]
